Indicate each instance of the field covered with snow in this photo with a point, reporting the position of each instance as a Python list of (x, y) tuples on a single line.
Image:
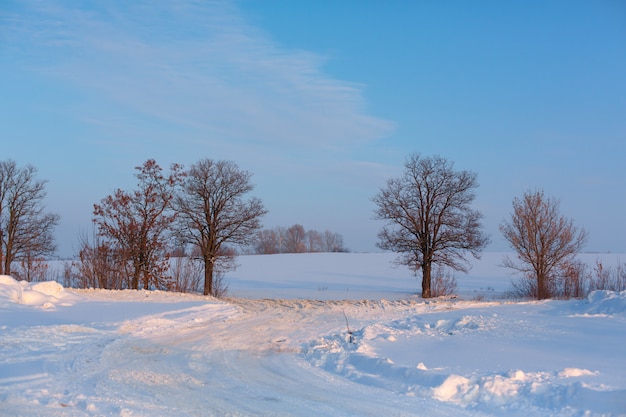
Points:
[(312, 335)]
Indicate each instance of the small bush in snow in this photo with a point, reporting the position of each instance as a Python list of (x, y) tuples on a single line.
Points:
[(187, 274), (574, 280), (608, 278), (443, 283)]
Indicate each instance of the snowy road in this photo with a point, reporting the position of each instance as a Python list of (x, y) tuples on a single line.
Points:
[(99, 353), (202, 359)]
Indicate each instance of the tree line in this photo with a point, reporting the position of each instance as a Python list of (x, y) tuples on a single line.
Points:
[(296, 239), (427, 213)]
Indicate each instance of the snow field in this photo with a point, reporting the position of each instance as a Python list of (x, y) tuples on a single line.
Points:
[(135, 353), (486, 359)]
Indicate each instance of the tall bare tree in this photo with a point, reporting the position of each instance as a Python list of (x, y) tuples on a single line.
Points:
[(545, 241), (214, 213), (332, 242), (26, 230), (429, 219), (295, 239), (314, 241), (136, 223), (268, 242)]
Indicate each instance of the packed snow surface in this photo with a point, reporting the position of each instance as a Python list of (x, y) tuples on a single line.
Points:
[(311, 335)]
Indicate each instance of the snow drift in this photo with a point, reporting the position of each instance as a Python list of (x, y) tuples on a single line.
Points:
[(39, 294), (487, 359), (139, 353)]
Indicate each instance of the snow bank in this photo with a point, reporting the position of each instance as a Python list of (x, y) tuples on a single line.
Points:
[(45, 295), (10, 289), (605, 303), (535, 392), (496, 363), (123, 353)]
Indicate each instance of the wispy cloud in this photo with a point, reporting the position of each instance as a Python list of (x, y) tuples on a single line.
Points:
[(196, 67), (120, 82)]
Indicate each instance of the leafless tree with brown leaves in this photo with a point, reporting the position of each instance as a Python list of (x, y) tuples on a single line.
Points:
[(213, 213), (545, 241), (136, 223), (26, 230), (429, 219)]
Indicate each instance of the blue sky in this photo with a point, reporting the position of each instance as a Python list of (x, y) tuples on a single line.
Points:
[(322, 101)]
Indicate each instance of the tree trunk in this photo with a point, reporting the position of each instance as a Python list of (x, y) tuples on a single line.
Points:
[(542, 292), (146, 280), (135, 281), (8, 259), (208, 276), (2, 253), (426, 268)]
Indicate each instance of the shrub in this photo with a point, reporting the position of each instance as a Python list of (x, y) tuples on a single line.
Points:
[(443, 282), (608, 278), (573, 280)]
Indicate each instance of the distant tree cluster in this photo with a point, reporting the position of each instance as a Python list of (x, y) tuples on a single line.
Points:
[(296, 239)]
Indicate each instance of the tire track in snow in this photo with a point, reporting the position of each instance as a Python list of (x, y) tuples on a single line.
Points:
[(243, 359)]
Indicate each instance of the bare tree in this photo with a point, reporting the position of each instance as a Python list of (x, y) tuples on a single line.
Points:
[(332, 242), (214, 213), (295, 239), (429, 217), (314, 241), (544, 240), (136, 223), (26, 230), (281, 236), (267, 242)]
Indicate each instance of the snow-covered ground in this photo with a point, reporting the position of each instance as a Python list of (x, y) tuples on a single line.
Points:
[(312, 335)]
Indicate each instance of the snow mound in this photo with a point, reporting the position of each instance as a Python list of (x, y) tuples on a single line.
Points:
[(10, 289), (376, 355), (46, 295), (605, 303)]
